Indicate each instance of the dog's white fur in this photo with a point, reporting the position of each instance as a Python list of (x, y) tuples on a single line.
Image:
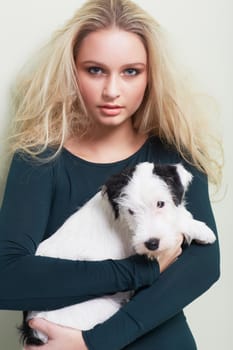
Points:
[(94, 233)]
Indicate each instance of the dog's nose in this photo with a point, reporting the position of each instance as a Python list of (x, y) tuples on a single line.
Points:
[(152, 244)]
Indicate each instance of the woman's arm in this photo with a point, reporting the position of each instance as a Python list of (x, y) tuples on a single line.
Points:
[(31, 282), (190, 276)]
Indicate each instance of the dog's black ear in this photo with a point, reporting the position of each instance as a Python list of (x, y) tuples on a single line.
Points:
[(114, 185), (176, 177)]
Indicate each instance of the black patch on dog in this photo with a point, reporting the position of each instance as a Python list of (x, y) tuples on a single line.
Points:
[(27, 336), (170, 175), (114, 185)]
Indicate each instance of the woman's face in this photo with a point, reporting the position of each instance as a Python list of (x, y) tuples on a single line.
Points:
[(112, 75)]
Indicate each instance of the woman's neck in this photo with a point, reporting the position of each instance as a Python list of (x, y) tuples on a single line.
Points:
[(106, 145)]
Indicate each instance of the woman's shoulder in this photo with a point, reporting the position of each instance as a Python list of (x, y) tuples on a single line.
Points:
[(28, 176), (166, 153), (45, 158), (27, 165)]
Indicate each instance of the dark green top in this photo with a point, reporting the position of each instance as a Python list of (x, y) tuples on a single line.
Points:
[(38, 199)]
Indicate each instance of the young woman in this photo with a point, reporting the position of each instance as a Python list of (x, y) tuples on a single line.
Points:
[(102, 97)]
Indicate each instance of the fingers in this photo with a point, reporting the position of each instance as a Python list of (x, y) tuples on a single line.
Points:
[(169, 256), (180, 239), (40, 325), (43, 326)]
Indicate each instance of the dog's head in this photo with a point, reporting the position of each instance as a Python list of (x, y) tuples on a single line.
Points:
[(146, 197)]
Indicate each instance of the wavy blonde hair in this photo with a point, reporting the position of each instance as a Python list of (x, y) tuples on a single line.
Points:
[(49, 107)]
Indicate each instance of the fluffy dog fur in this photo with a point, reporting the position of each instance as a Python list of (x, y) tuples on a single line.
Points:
[(140, 210)]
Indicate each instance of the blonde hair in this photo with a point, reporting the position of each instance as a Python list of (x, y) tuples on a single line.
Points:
[(49, 106)]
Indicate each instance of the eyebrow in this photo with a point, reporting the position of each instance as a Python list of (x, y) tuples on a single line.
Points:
[(132, 64)]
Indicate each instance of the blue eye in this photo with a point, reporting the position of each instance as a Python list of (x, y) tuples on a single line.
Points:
[(95, 70), (131, 71)]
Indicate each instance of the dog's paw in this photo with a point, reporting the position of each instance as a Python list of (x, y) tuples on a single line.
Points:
[(205, 235)]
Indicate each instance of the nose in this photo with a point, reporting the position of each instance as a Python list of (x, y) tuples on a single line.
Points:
[(152, 244), (111, 88)]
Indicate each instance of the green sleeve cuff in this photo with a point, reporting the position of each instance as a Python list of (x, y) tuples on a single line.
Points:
[(138, 270)]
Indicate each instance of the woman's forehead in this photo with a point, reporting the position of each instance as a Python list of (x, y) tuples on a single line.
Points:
[(112, 45)]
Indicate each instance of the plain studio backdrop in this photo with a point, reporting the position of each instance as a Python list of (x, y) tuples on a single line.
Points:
[(202, 36)]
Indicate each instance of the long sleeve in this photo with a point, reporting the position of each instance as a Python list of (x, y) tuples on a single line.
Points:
[(30, 282), (190, 276)]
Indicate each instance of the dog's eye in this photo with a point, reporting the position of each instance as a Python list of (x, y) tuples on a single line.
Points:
[(160, 204), (131, 211)]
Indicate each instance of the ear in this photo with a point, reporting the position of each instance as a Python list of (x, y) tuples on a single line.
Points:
[(172, 177), (185, 176), (114, 186)]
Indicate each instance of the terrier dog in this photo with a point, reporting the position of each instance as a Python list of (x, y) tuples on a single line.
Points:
[(141, 210)]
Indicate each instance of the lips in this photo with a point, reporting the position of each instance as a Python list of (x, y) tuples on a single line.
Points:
[(111, 110), (111, 106)]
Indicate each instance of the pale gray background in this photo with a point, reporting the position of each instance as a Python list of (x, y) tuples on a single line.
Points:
[(202, 34)]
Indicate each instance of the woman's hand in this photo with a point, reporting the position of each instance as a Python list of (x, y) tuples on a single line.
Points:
[(168, 256), (59, 338)]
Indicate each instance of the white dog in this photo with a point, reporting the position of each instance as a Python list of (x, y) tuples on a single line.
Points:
[(142, 211)]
